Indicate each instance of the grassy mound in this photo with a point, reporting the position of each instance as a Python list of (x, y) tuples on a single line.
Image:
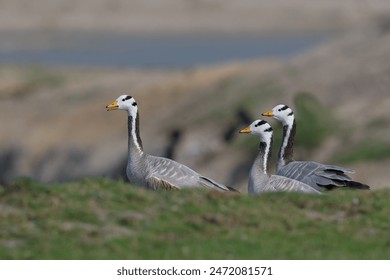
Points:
[(104, 219)]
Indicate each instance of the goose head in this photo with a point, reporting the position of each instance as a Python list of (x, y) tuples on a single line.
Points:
[(124, 102), (281, 113), (260, 128)]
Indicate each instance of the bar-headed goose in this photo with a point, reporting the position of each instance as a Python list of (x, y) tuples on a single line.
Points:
[(315, 174), (155, 172), (259, 181)]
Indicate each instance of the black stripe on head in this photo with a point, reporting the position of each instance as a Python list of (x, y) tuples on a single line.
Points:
[(290, 114), (268, 129), (127, 98), (260, 123), (285, 107), (134, 104)]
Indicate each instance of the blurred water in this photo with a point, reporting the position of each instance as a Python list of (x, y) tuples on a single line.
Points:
[(120, 50)]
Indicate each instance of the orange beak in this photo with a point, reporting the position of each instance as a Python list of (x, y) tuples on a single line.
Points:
[(113, 106), (268, 114), (245, 130)]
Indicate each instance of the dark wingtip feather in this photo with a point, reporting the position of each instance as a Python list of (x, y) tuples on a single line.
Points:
[(357, 185), (336, 184), (232, 189)]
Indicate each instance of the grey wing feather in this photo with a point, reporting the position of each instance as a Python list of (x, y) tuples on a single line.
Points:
[(315, 174), (284, 184), (336, 168), (333, 176), (178, 175), (207, 182)]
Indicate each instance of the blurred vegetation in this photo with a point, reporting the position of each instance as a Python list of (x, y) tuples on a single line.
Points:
[(367, 151), (42, 76), (232, 94), (105, 219), (20, 81), (315, 122)]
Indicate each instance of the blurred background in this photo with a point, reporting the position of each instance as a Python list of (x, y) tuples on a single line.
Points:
[(200, 70)]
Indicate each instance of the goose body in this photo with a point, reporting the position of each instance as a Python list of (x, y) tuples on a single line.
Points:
[(164, 173), (154, 172), (259, 181), (315, 174)]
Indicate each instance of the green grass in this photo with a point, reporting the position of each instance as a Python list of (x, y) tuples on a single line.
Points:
[(104, 219)]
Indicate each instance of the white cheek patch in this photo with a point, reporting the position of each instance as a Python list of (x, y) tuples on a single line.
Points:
[(289, 120)]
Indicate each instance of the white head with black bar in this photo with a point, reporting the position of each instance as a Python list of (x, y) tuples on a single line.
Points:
[(124, 102), (281, 113)]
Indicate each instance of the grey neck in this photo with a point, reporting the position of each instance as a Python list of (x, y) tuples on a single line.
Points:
[(258, 176)]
